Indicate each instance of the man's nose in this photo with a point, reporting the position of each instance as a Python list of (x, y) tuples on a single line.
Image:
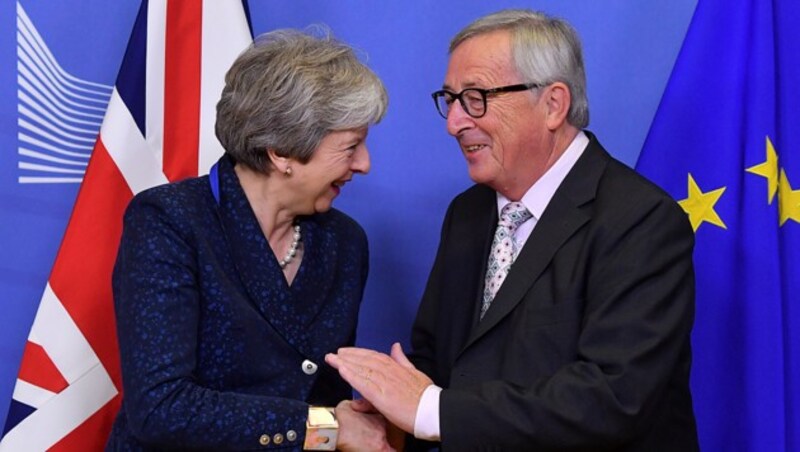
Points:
[(458, 119)]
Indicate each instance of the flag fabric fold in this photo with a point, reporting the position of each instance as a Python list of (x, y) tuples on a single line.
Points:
[(725, 144), (158, 127)]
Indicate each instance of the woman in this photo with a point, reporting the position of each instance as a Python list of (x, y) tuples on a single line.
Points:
[(229, 289)]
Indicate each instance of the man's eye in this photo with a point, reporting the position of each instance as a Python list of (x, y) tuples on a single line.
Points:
[(473, 97)]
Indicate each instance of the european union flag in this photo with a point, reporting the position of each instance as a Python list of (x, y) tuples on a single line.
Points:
[(725, 142)]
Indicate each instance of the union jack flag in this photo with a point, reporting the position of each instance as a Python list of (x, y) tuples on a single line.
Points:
[(158, 127)]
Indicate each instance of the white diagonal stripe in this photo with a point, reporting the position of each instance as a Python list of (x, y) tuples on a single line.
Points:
[(62, 413), (59, 336), (31, 395), (132, 155), (90, 386)]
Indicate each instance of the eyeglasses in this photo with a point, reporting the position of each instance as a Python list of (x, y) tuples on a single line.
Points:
[(473, 100)]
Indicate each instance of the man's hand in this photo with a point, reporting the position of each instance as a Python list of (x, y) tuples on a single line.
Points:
[(391, 383)]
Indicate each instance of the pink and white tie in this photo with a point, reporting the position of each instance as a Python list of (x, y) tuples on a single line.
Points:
[(503, 250)]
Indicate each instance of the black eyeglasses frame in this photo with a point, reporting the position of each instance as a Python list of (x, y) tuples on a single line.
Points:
[(484, 93)]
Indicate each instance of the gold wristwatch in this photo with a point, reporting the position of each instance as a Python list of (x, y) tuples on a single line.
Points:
[(322, 429)]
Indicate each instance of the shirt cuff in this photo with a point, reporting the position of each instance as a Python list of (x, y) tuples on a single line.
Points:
[(426, 422)]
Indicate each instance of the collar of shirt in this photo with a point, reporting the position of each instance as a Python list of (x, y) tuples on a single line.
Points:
[(541, 192)]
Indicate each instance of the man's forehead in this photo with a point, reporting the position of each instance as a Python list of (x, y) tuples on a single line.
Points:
[(479, 60), (489, 43)]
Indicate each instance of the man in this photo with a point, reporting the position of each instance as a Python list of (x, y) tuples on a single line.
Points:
[(583, 344)]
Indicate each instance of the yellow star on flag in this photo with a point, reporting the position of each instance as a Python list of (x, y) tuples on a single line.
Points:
[(788, 200), (768, 169), (700, 206)]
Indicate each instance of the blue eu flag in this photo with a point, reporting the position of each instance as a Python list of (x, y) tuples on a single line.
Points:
[(725, 143)]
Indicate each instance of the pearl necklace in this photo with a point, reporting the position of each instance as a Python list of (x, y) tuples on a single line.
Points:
[(292, 251)]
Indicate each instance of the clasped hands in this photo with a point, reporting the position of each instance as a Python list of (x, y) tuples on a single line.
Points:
[(390, 384)]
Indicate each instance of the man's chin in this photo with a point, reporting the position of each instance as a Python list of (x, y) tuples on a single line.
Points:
[(479, 177)]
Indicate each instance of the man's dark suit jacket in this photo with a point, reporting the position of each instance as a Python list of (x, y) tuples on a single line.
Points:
[(586, 345), (213, 341)]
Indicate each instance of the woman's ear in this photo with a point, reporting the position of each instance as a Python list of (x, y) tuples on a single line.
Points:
[(280, 163)]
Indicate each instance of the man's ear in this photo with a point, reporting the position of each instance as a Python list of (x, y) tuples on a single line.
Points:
[(558, 100)]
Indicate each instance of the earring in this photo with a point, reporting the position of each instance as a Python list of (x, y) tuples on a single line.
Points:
[(288, 171)]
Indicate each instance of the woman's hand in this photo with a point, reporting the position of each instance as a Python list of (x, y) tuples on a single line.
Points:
[(360, 431)]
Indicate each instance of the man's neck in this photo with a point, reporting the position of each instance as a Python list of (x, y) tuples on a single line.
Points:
[(558, 143)]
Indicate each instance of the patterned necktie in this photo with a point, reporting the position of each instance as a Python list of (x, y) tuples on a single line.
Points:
[(503, 250)]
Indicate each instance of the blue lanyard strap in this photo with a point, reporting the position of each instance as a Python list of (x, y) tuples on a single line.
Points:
[(213, 180)]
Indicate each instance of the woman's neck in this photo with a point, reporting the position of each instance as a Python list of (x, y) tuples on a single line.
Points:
[(269, 202), (272, 207)]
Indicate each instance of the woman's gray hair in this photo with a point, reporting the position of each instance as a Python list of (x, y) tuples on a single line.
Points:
[(288, 90), (545, 50)]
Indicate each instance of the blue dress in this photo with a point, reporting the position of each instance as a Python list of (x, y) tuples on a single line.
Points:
[(218, 352)]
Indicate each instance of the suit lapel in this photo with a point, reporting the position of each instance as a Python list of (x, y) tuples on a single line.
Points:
[(258, 270), (565, 214), (476, 226)]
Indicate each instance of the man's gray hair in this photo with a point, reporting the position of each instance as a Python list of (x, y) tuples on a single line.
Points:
[(288, 90), (545, 50)]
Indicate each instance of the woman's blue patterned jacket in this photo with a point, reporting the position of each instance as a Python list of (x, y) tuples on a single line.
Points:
[(218, 351)]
